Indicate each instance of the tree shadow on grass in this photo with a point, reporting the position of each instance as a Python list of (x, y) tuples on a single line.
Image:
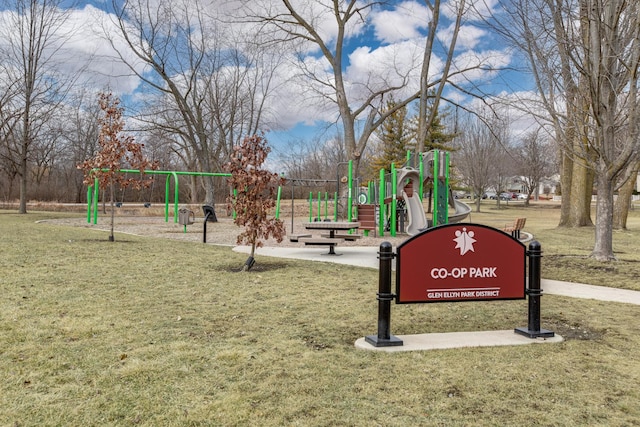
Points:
[(105, 240), (258, 267)]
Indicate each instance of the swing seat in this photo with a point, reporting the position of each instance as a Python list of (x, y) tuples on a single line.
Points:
[(186, 216)]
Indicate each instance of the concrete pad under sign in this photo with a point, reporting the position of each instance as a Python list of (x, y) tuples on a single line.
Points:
[(439, 341)]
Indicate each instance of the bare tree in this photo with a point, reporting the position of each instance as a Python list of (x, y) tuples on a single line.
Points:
[(481, 157), (327, 25), (535, 160), (428, 108), (80, 131), (210, 83), (548, 40), (34, 32), (9, 119), (587, 53), (611, 64)]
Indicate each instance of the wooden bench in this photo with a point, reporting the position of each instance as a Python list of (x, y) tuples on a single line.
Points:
[(297, 237), (323, 241), (344, 236), (515, 228)]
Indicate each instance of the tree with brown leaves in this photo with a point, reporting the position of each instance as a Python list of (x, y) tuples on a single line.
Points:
[(116, 152), (256, 189)]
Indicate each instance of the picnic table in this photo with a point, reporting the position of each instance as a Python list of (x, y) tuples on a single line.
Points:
[(332, 227)]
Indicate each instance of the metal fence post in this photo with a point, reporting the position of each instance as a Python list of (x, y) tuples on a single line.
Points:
[(534, 294), (384, 337)]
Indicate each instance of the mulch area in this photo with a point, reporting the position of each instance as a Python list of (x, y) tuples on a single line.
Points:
[(223, 232)]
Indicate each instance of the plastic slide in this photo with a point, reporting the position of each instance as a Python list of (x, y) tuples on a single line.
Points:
[(416, 219), (462, 210)]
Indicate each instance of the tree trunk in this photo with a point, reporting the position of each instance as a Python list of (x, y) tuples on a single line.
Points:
[(193, 183), (579, 199), (603, 247), (623, 203), (209, 196), (112, 237), (23, 182)]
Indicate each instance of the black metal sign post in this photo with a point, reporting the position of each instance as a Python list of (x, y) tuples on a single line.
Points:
[(384, 337), (534, 293)]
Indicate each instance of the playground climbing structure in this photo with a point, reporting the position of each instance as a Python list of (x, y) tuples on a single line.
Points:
[(407, 185)]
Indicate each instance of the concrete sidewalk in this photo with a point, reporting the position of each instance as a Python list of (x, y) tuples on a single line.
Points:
[(368, 257)]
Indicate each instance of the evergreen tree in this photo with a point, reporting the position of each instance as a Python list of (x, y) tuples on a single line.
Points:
[(437, 137), (398, 134), (394, 137)]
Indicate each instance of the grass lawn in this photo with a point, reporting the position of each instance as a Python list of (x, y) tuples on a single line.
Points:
[(155, 332)]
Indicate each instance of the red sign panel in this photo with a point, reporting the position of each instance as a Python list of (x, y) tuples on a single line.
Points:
[(460, 262)]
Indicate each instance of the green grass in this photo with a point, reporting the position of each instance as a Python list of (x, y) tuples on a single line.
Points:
[(156, 332)]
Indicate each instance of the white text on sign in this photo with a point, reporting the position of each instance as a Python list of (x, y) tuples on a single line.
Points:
[(463, 273)]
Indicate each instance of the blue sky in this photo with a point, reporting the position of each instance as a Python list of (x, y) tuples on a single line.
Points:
[(391, 40)]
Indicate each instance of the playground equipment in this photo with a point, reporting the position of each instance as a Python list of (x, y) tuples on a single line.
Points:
[(322, 201), (416, 218), (407, 185), (92, 191), (319, 201), (186, 217)]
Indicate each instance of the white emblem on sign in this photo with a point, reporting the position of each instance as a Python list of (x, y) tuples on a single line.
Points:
[(464, 241)]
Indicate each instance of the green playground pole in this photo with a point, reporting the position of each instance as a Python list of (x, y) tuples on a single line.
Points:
[(235, 195), (278, 202), (394, 201), (167, 189), (96, 193), (176, 192), (310, 206), (335, 206), (89, 194), (440, 187), (319, 207), (381, 194), (421, 168), (436, 188), (176, 195), (446, 187), (350, 192), (326, 204)]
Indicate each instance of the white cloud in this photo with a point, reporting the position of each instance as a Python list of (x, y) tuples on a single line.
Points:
[(469, 36), (474, 65), (390, 65), (297, 99), (93, 54), (77, 49), (404, 22)]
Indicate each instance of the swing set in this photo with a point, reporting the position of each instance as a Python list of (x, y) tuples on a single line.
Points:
[(93, 191)]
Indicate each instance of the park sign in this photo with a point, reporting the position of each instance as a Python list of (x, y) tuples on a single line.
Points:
[(460, 262)]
